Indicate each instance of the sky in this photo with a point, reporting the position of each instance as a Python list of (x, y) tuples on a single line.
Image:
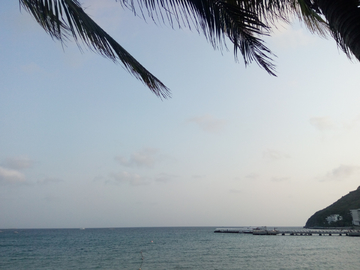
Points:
[(85, 144)]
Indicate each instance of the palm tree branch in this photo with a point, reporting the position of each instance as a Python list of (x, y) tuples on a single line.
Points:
[(61, 18), (344, 21), (309, 14), (217, 20)]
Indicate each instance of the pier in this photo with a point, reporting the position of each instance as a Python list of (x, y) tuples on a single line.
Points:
[(315, 232), (305, 232)]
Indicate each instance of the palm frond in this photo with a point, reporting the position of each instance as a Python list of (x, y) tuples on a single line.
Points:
[(218, 20), (309, 14), (62, 18), (243, 28), (243, 22), (343, 18)]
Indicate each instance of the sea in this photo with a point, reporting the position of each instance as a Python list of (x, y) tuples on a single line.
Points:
[(172, 248)]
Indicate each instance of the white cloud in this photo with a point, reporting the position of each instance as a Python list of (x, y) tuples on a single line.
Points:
[(351, 123), (249, 177), (19, 163), (164, 177), (280, 179), (135, 179), (130, 178), (274, 154), (286, 37), (323, 123), (327, 123), (340, 173), (208, 123), (252, 176), (144, 158), (47, 181), (11, 176)]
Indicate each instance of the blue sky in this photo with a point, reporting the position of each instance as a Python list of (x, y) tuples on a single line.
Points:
[(84, 144)]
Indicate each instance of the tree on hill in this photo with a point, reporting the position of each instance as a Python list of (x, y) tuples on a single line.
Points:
[(243, 22)]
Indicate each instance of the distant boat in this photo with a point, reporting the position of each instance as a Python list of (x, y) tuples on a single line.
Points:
[(264, 231), (226, 230)]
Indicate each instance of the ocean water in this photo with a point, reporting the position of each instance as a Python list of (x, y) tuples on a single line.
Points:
[(172, 248)]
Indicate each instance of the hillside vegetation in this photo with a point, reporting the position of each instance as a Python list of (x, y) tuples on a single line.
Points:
[(341, 207)]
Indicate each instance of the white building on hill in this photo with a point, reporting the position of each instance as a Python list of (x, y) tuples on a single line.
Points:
[(355, 213), (333, 218)]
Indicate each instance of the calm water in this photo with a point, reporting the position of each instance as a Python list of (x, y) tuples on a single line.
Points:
[(172, 248)]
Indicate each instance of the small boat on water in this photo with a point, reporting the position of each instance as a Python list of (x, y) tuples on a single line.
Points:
[(225, 230), (264, 231), (254, 231), (233, 230)]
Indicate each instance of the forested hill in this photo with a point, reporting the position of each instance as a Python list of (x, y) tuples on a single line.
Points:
[(341, 207)]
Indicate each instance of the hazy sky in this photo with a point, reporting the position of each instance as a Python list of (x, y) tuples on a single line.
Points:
[(84, 144)]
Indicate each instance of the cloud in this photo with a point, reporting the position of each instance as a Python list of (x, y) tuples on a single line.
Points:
[(10, 176), (280, 179), (134, 179), (252, 176), (50, 180), (327, 123), (99, 178), (32, 68), (249, 177), (144, 158), (340, 173), (350, 124), (164, 177), (274, 154), (19, 163), (286, 37), (208, 123), (323, 123), (126, 177)]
